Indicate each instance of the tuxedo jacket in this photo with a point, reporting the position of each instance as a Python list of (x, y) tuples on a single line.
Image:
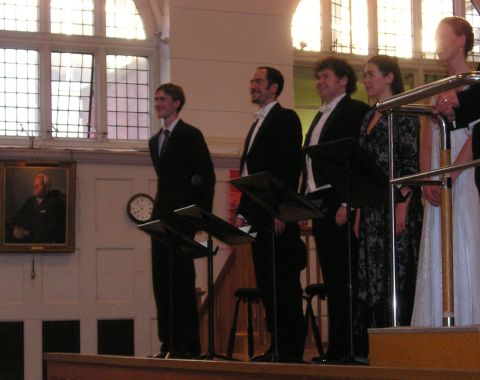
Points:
[(185, 173), (344, 121), (277, 148)]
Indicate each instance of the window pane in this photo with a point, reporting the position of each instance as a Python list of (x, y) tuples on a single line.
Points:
[(432, 12), (127, 97), (473, 18), (19, 112), (306, 25), (19, 15), (349, 33), (123, 20), (72, 95), (72, 17), (341, 26), (395, 27)]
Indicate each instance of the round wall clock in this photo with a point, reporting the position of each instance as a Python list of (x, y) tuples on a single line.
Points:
[(140, 207)]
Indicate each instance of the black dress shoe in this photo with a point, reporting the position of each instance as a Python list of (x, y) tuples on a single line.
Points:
[(331, 358), (159, 355), (269, 357), (265, 357), (184, 355)]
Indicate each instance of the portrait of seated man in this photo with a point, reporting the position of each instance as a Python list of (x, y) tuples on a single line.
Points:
[(42, 218)]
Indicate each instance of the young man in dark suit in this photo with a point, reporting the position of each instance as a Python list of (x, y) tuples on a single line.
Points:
[(273, 144), (185, 176), (339, 117)]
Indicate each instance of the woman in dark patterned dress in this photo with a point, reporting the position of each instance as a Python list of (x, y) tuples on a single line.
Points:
[(373, 274)]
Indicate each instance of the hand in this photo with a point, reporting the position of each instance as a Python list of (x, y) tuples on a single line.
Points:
[(20, 232), (356, 225), (239, 222), (279, 227), (432, 195), (445, 104), (401, 217), (341, 216)]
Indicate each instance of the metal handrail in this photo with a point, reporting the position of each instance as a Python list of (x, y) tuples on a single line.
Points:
[(410, 179), (428, 90)]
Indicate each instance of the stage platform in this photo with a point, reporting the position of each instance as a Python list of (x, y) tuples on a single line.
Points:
[(433, 347), (98, 367)]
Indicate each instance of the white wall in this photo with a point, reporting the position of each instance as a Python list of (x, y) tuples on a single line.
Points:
[(215, 46)]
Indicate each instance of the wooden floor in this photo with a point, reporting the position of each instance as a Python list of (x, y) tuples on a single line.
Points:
[(98, 367)]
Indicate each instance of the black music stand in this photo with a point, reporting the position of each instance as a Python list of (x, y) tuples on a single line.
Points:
[(355, 177), (177, 244), (223, 231), (281, 203)]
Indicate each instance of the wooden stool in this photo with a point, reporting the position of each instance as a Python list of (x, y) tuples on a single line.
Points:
[(310, 292), (247, 295)]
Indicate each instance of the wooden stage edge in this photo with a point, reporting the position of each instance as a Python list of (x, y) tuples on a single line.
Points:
[(99, 367)]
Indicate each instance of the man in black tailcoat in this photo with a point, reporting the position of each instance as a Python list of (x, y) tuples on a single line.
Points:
[(273, 144), (340, 116)]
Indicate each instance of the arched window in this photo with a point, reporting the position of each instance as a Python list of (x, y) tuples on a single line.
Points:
[(306, 26), (473, 17), (84, 74), (349, 30), (395, 35), (398, 32)]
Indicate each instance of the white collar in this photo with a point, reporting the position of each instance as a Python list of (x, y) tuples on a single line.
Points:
[(330, 106), (173, 125), (263, 112)]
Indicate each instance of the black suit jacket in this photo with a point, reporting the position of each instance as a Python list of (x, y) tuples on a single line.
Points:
[(344, 121), (185, 173), (277, 148)]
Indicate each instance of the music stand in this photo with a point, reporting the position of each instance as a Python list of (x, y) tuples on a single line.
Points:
[(213, 226), (355, 177), (176, 243), (281, 203)]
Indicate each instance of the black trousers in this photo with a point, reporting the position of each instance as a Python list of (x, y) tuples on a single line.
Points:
[(186, 337), (332, 249), (289, 262)]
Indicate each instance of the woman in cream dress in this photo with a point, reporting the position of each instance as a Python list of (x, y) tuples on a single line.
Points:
[(454, 40)]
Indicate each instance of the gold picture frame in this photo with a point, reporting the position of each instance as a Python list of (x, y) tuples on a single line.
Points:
[(37, 206)]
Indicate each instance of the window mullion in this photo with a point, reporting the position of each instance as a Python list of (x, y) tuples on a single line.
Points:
[(326, 17), (45, 86), (100, 85), (459, 8), (44, 16), (373, 27), (100, 23), (417, 29)]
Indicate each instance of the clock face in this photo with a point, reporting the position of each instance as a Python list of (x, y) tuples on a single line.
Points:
[(140, 207)]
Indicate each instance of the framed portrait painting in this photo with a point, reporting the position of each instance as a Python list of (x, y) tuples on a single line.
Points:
[(38, 206)]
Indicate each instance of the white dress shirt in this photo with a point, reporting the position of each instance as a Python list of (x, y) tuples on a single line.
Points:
[(326, 110), (261, 114)]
